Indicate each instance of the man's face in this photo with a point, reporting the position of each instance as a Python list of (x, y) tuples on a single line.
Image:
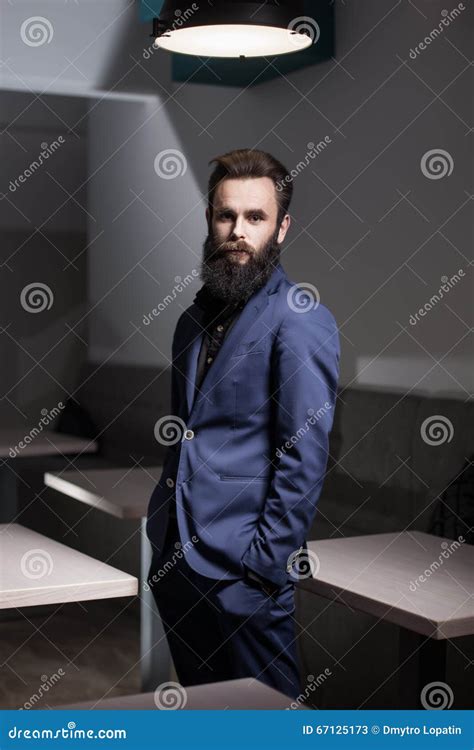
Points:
[(243, 236)]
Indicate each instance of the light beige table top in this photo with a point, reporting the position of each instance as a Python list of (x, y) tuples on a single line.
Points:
[(45, 443), (122, 492), (36, 570), (380, 574), (244, 694)]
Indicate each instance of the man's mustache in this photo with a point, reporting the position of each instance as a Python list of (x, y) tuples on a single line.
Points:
[(240, 245)]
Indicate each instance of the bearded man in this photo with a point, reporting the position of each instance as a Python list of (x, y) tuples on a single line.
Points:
[(255, 367)]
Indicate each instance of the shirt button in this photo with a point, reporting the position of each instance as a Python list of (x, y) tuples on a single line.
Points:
[(170, 482), (209, 360), (189, 434), (220, 327)]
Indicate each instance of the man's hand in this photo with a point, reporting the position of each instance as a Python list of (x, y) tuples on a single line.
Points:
[(267, 586)]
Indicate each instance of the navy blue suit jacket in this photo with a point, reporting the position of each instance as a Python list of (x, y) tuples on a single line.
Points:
[(250, 460)]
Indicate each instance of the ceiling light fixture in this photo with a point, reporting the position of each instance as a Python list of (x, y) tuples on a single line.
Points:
[(235, 28)]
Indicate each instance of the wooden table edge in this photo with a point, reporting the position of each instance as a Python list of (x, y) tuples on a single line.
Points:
[(438, 630)]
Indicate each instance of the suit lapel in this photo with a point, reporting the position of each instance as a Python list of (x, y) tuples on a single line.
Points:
[(192, 356)]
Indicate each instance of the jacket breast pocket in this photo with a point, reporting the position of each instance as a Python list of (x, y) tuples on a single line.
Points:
[(251, 347)]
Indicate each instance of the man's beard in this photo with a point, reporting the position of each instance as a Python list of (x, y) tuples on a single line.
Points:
[(230, 280)]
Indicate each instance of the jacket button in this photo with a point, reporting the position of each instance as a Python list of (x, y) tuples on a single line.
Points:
[(189, 434), (170, 482)]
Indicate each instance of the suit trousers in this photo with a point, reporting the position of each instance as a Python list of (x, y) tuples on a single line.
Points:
[(220, 630)]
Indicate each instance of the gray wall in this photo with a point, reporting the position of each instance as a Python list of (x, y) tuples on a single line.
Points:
[(43, 239), (370, 230)]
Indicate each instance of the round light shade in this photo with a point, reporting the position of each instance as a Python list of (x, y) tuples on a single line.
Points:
[(235, 29), (233, 40)]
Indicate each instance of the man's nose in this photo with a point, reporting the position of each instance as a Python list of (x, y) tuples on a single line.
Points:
[(238, 231)]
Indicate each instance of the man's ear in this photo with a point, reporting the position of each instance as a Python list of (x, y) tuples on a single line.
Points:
[(208, 216), (284, 227)]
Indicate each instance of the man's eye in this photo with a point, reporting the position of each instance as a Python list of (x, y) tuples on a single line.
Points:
[(225, 215), (256, 217)]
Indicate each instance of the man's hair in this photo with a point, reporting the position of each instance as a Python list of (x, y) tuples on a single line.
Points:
[(244, 163)]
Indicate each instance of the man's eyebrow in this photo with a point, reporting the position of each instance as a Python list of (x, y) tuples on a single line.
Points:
[(249, 210)]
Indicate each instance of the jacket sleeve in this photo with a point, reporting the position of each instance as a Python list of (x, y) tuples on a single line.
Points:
[(306, 372)]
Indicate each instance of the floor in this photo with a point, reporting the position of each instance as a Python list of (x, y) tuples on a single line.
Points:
[(86, 651), (68, 653)]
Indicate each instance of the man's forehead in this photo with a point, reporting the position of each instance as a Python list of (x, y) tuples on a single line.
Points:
[(247, 192)]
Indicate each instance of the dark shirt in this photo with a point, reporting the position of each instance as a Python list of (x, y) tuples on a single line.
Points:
[(212, 341)]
